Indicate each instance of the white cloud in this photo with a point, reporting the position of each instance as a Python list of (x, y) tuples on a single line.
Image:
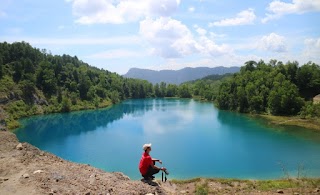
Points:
[(215, 35), (172, 39), (273, 42), (191, 9), (169, 38), (243, 18), (113, 54), (278, 8), (117, 12), (161, 7), (312, 49), (200, 31)]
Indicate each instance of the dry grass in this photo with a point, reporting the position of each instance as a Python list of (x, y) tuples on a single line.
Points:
[(294, 121)]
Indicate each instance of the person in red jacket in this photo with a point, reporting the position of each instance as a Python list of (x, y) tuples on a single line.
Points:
[(147, 165)]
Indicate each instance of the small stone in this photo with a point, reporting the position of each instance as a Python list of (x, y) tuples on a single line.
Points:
[(183, 192), (317, 190), (92, 180), (280, 191), (88, 193), (38, 171), (26, 175), (296, 193), (19, 146)]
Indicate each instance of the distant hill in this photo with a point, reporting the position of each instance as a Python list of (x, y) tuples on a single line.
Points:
[(178, 76), (211, 78)]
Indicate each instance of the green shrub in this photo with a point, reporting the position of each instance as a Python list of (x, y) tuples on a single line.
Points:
[(202, 189)]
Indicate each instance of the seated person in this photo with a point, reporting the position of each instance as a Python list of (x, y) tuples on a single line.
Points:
[(147, 165)]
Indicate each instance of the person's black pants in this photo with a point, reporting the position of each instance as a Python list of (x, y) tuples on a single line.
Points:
[(151, 171)]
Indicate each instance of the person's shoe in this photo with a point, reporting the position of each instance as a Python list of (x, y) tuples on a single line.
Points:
[(146, 179)]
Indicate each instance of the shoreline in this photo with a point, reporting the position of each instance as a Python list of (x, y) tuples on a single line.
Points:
[(310, 124), (25, 169)]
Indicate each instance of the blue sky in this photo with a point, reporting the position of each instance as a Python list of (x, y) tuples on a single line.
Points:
[(117, 35)]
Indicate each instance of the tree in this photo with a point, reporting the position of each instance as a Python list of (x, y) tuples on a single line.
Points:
[(163, 89), (172, 90), (308, 80), (184, 91), (157, 90), (284, 98), (1, 67)]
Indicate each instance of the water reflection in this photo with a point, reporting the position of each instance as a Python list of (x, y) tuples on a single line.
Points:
[(55, 126)]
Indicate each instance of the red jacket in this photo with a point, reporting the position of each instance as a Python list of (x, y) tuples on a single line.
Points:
[(145, 163)]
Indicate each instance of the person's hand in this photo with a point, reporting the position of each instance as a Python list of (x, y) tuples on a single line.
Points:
[(160, 161), (163, 168)]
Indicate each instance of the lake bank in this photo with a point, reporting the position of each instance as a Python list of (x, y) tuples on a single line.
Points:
[(27, 170), (312, 124)]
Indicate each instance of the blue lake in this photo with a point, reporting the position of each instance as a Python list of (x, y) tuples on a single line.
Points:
[(193, 139)]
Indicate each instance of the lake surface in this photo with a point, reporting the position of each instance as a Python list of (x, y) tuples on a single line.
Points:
[(193, 139)]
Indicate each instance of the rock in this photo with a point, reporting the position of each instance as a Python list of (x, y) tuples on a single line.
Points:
[(280, 191), (121, 176), (26, 175), (183, 192), (19, 146), (92, 179), (57, 177), (4, 179), (296, 193), (38, 171), (317, 190), (52, 191)]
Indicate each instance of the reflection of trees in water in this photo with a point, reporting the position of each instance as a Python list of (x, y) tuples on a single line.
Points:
[(54, 126), (231, 119)]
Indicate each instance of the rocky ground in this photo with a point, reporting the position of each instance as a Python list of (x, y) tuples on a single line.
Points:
[(24, 169)]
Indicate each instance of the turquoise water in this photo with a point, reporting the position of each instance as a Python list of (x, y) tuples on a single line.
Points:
[(193, 139)]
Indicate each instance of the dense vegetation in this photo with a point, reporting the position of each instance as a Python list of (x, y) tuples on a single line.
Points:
[(276, 88), (33, 81)]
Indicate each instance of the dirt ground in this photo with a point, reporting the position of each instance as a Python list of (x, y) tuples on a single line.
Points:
[(24, 169)]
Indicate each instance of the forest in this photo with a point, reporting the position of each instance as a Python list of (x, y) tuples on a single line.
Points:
[(274, 88), (33, 81)]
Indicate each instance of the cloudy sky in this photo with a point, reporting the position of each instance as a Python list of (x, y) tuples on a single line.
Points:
[(166, 34)]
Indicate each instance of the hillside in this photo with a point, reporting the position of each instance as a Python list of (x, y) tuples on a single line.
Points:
[(178, 76), (33, 81)]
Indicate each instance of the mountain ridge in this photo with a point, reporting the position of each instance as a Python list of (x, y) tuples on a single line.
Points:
[(178, 76)]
